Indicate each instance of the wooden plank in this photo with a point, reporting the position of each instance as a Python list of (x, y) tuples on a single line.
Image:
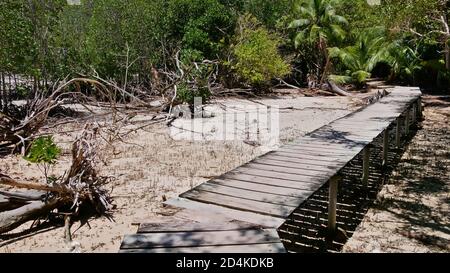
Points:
[(321, 147), (239, 203), (307, 184), (337, 145), (299, 160), (254, 248), (344, 138), (181, 225), (300, 169), (329, 142), (311, 144), (311, 151), (263, 187), (296, 165), (307, 176), (311, 157), (252, 194), (215, 211), (208, 238)]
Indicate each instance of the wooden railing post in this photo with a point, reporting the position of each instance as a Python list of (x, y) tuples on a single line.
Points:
[(397, 134), (366, 158), (385, 146), (332, 203)]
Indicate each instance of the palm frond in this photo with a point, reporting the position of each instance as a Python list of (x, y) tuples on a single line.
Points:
[(299, 23)]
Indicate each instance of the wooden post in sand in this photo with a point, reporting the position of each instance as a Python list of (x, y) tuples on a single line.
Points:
[(366, 158), (332, 203), (385, 146), (397, 134), (419, 108), (407, 116)]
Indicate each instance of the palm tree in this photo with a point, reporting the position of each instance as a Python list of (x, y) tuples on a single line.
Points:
[(405, 61), (360, 59), (318, 24)]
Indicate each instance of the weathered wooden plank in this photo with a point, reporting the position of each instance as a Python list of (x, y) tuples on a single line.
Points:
[(296, 165), (341, 137), (239, 203), (328, 144), (311, 144), (335, 149), (306, 151), (210, 238), (219, 211), (252, 194), (252, 185), (253, 248), (310, 140), (311, 157), (301, 170), (306, 184), (278, 174), (181, 225)]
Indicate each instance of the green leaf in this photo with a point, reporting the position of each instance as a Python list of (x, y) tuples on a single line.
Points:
[(43, 150)]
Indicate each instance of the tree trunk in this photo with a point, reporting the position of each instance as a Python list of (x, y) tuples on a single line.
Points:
[(5, 94), (447, 56), (11, 219), (336, 89), (324, 49), (1, 94)]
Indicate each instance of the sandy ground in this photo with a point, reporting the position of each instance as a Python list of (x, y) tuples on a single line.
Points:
[(412, 213), (152, 165)]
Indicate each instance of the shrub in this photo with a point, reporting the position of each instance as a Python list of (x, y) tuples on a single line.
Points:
[(256, 58), (195, 83)]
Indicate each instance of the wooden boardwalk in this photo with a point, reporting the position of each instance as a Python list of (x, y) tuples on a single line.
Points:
[(266, 190)]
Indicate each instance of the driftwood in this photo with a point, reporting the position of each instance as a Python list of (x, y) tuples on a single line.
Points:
[(19, 128), (336, 89), (22, 196), (8, 181), (11, 219), (79, 185)]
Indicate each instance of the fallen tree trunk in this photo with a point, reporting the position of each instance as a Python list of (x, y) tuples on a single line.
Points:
[(337, 90), (11, 219), (8, 181), (30, 195)]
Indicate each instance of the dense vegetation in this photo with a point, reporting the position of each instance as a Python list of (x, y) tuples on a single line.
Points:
[(143, 45)]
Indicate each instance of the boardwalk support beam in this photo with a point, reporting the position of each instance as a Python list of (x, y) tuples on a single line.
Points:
[(385, 146), (332, 203), (397, 134), (419, 108), (407, 116), (366, 158)]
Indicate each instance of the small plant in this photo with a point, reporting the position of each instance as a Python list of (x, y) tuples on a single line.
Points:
[(196, 82), (44, 152)]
